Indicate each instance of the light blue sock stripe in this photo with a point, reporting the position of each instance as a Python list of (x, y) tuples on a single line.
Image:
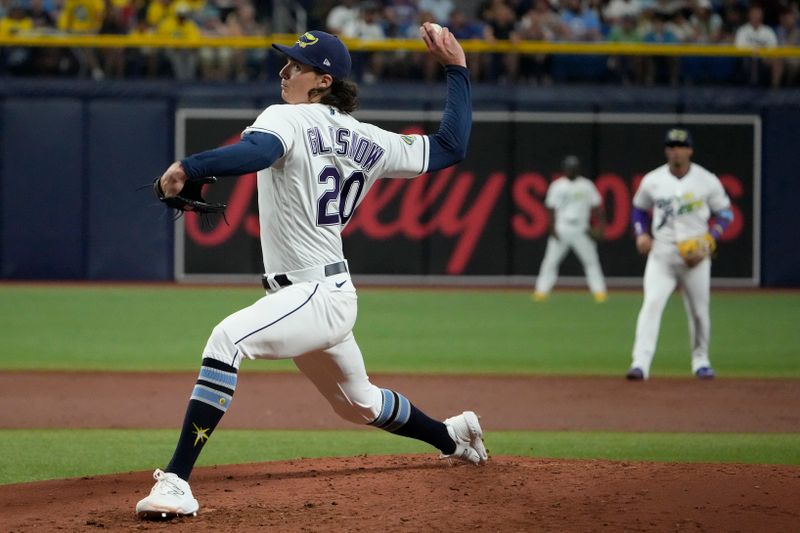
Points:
[(403, 413), (218, 377), (386, 408), (213, 397)]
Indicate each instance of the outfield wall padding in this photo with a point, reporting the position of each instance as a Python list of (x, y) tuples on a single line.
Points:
[(72, 154)]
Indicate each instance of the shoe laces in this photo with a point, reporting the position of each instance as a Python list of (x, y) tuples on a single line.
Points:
[(167, 483)]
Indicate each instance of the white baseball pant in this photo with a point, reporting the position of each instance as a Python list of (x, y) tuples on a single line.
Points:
[(665, 269), (570, 238), (310, 322)]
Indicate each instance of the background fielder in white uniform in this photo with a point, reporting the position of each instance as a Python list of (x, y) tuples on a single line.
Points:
[(683, 196), (315, 163), (573, 201)]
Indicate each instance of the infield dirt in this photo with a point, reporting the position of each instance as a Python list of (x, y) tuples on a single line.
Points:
[(421, 493)]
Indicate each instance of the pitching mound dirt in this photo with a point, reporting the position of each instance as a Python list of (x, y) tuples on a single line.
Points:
[(420, 493)]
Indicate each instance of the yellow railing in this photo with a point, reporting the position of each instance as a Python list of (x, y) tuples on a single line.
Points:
[(525, 47)]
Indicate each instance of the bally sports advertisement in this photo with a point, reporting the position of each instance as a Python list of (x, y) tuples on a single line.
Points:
[(483, 221)]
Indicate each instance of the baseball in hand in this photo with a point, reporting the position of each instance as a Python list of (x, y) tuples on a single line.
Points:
[(435, 28)]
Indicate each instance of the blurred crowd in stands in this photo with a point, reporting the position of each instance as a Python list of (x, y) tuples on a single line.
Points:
[(770, 23)]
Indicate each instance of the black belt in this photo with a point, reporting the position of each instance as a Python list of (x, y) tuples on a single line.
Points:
[(283, 280)]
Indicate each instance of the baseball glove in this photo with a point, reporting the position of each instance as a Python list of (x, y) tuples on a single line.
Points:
[(696, 249), (597, 233), (190, 198)]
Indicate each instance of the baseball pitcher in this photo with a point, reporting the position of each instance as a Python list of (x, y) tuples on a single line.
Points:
[(315, 163)]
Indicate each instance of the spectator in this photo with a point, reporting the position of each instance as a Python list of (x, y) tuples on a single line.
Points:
[(706, 24), (342, 16), (460, 24), (627, 69), (500, 26), (732, 16), (439, 9), (196, 7), (596, 7), (755, 34), (616, 9), (16, 59), (51, 7), (249, 63), (44, 20), (681, 27), (540, 23), (113, 59), (84, 17), (626, 31), (401, 18), (788, 34), (216, 62), (663, 68), (81, 16), (520, 7), (368, 27), (225, 8), (127, 11), (465, 29), (583, 24), (43, 14), (158, 11), (667, 8), (144, 60), (183, 61)]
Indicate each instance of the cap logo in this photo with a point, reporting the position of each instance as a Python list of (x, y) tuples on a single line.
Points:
[(307, 40), (678, 136), (326, 62)]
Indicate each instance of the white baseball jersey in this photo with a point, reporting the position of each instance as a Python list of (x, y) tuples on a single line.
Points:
[(681, 206), (572, 201), (330, 161)]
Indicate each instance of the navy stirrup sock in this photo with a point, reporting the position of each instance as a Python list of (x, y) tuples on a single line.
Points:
[(210, 399), (399, 416)]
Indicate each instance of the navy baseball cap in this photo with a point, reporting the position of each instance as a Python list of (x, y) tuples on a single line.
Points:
[(322, 51), (678, 137), (571, 161)]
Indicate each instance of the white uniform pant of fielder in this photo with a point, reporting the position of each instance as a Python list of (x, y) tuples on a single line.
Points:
[(310, 322), (664, 271), (585, 249)]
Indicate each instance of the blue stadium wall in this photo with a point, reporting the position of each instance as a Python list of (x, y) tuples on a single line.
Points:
[(74, 154)]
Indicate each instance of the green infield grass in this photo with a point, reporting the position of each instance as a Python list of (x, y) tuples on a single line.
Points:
[(147, 327), (32, 455)]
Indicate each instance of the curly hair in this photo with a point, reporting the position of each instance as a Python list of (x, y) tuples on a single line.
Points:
[(342, 94)]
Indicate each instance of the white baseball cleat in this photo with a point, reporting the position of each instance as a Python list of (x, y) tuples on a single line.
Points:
[(169, 497), (466, 432)]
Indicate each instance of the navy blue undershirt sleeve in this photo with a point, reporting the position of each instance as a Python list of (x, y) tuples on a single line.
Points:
[(448, 146), (254, 152)]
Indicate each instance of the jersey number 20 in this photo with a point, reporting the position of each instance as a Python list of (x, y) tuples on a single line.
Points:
[(348, 196)]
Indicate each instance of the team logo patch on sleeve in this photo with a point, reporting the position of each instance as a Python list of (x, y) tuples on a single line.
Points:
[(408, 139)]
